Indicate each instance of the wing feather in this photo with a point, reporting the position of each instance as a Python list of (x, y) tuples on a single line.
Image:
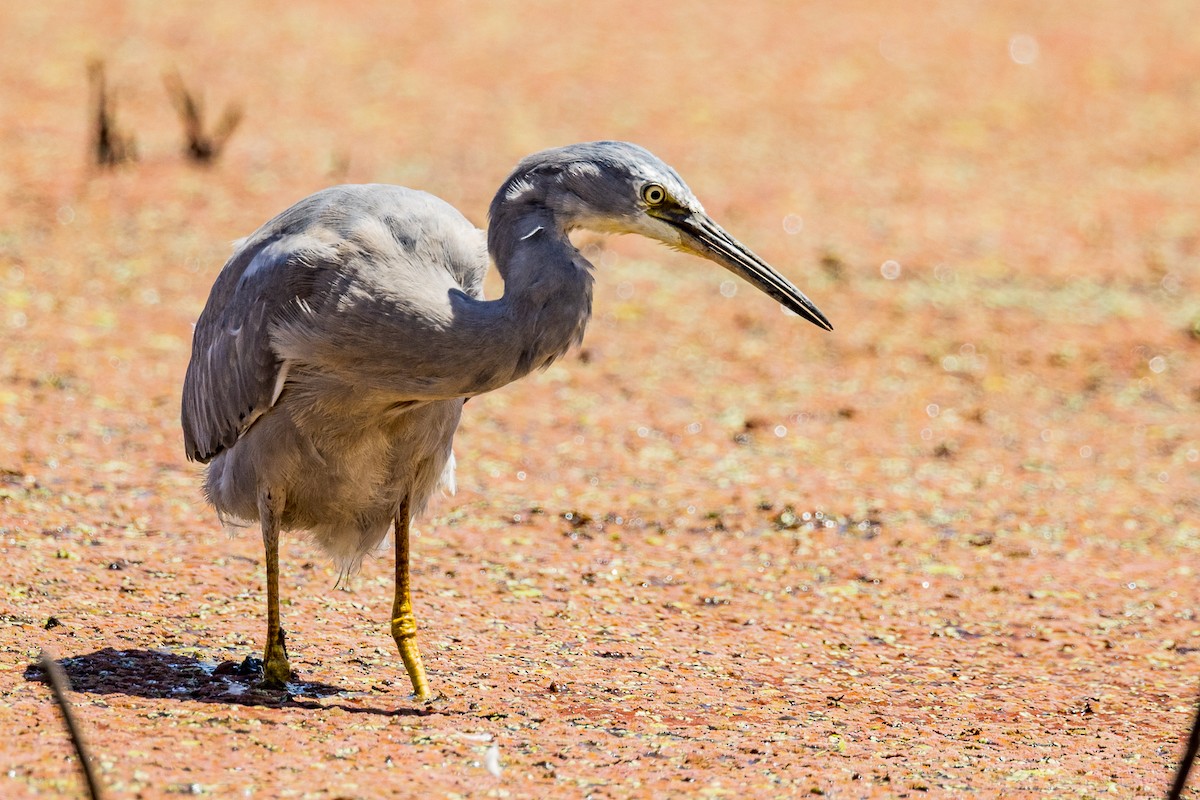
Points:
[(232, 373), (296, 270)]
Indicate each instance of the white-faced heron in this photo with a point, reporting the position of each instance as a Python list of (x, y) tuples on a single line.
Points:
[(331, 363)]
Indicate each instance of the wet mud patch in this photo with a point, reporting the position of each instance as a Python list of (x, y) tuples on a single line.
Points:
[(162, 675)]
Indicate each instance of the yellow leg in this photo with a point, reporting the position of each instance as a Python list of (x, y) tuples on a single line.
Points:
[(404, 623), (276, 670)]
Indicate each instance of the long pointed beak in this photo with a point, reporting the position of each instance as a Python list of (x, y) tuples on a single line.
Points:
[(708, 239)]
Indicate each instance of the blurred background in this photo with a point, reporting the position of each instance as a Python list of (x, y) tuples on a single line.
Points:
[(994, 202)]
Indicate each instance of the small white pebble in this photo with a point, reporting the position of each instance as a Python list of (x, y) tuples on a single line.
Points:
[(491, 760)]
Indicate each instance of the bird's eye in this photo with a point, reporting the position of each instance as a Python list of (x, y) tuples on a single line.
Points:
[(653, 194)]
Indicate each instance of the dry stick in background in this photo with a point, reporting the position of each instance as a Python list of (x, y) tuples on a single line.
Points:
[(59, 686), (110, 145), (1189, 757), (200, 146)]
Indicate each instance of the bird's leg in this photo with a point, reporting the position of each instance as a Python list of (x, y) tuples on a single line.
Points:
[(404, 623), (276, 670)]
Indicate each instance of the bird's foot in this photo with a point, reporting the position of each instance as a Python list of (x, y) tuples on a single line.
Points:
[(276, 680), (427, 698), (276, 670), (404, 631)]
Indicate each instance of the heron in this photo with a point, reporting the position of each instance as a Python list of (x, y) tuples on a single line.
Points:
[(339, 342)]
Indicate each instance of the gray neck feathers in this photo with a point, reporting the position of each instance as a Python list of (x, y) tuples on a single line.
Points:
[(547, 282)]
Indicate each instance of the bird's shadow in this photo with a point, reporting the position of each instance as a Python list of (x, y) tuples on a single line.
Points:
[(163, 675)]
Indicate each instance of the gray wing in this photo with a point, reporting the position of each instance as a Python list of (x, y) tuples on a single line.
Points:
[(304, 262)]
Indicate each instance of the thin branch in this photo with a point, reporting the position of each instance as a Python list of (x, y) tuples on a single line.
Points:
[(1189, 758), (59, 685), (200, 146), (110, 145)]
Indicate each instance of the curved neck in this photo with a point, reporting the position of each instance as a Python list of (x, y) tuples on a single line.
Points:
[(547, 285), (457, 345)]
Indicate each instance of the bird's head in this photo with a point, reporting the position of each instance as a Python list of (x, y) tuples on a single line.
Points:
[(618, 187)]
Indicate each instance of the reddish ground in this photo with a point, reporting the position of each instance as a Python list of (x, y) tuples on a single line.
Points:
[(950, 549)]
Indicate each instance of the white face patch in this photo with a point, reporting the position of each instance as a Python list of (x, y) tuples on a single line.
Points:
[(656, 229), (667, 234), (642, 224)]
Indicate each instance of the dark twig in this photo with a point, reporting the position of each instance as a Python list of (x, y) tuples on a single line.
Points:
[(59, 685), (1189, 758), (200, 146), (110, 146)]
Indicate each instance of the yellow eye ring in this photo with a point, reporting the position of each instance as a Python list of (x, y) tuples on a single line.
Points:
[(654, 194)]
